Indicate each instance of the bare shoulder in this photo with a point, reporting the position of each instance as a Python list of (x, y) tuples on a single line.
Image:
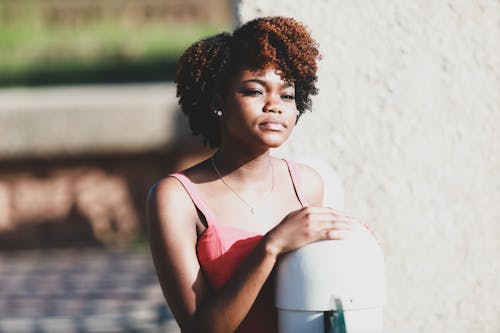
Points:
[(167, 191), (168, 203), (170, 199), (312, 184)]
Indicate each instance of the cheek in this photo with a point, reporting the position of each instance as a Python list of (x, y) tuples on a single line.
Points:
[(237, 116), (239, 105), (293, 115)]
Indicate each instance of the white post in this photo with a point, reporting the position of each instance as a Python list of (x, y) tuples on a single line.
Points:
[(409, 116)]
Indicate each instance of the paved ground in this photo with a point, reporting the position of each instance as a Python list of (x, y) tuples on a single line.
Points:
[(88, 290)]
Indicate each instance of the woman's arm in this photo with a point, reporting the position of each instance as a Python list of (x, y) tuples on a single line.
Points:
[(311, 184), (171, 220)]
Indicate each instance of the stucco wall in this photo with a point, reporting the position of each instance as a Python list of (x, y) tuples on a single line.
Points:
[(409, 117)]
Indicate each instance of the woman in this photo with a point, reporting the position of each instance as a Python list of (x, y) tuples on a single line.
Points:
[(218, 228)]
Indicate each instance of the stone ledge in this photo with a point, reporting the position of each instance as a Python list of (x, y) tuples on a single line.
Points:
[(97, 119)]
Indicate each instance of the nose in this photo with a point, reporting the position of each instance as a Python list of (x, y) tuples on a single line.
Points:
[(273, 104)]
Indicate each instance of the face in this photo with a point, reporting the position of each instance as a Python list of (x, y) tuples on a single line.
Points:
[(259, 109)]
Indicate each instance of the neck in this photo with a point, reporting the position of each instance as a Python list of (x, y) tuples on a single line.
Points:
[(243, 165)]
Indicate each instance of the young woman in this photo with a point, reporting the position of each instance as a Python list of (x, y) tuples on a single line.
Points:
[(218, 228)]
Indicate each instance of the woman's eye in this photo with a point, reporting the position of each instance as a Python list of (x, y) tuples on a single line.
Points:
[(253, 92), (289, 97)]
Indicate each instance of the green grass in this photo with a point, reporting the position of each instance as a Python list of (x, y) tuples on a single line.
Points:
[(34, 54)]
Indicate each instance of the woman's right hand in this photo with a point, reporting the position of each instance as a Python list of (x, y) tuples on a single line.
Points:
[(308, 225)]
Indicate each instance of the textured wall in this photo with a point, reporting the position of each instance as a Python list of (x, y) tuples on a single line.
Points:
[(409, 116)]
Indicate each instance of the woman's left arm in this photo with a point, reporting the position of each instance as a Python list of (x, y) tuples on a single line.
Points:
[(311, 184)]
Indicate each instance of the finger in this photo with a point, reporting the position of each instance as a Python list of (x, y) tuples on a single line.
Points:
[(344, 216), (332, 221), (352, 220), (319, 216), (326, 218), (327, 222), (337, 234), (337, 225), (328, 214)]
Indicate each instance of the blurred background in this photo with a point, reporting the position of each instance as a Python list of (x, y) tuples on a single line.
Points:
[(88, 122), (407, 117)]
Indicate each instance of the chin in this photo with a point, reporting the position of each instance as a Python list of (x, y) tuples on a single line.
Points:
[(273, 143), (277, 145), (272, 140)]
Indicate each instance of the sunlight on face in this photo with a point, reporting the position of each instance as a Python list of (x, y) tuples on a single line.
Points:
[(259, 108)]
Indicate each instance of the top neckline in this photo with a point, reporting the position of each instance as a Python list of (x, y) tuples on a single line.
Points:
[(210, 216)]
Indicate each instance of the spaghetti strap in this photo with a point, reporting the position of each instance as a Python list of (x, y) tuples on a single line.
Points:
[(296, 181), (195, 197)]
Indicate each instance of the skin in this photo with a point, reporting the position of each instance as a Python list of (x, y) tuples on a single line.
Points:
[(259, 113)]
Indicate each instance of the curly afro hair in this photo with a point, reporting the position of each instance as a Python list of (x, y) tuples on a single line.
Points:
[(206, 66)]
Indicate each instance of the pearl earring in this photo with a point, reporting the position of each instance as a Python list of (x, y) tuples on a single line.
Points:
[(218, 113)]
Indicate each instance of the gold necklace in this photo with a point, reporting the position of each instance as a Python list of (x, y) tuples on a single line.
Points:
[(252, 208)]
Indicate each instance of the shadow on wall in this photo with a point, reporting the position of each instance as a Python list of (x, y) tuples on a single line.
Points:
[(85, 200), (39, 205)]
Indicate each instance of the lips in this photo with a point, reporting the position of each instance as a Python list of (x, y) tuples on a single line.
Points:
[(272, 125)]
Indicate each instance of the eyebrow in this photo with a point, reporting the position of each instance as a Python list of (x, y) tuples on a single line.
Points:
[(262, 82)]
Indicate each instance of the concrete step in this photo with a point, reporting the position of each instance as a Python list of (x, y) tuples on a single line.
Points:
[(90, 119)]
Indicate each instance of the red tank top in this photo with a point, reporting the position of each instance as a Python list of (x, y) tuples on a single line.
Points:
[(221, 250)]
